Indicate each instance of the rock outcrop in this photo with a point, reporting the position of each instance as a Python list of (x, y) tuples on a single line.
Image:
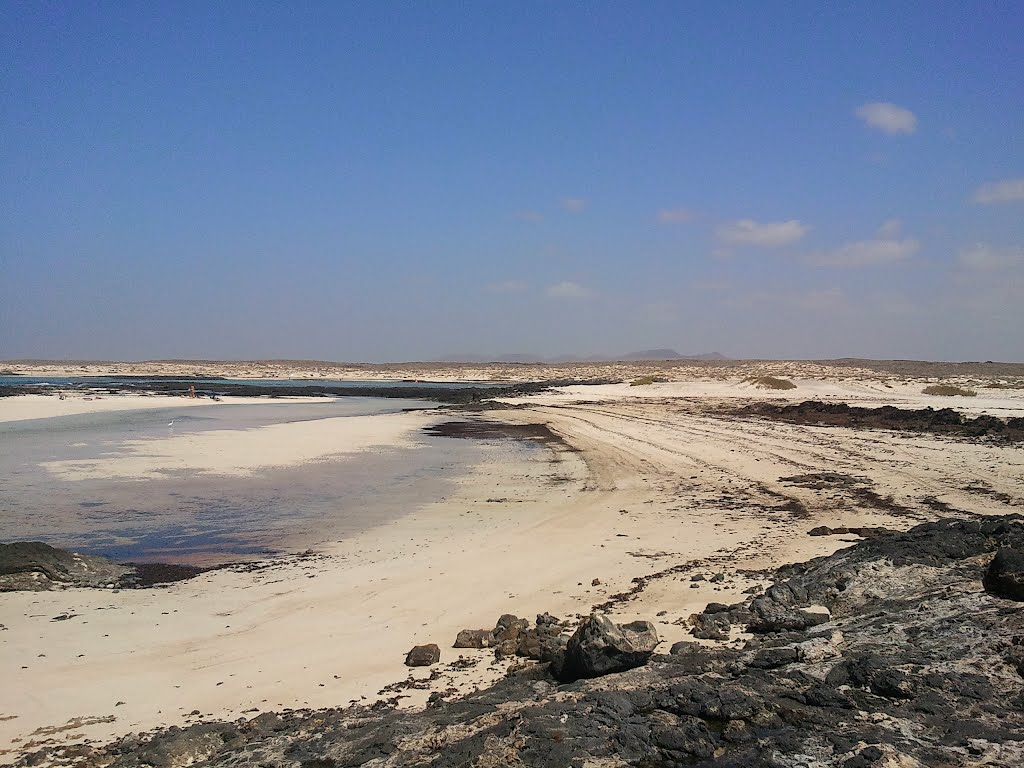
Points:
[(944, 421), (37, 567), (601, 647), (915, 663), (513, 636)]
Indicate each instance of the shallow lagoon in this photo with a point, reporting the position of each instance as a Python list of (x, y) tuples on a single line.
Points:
[(210, 519)]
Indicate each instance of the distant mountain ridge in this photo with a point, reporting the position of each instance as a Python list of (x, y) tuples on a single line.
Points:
[(642, 355)]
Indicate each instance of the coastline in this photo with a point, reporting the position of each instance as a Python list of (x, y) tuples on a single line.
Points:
[(653, 483)]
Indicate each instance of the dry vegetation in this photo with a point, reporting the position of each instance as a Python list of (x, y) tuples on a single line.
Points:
[(770, 382), (948, 390)]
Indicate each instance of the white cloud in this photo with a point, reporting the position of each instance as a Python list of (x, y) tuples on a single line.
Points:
[(507, 286), (887, 117), (866, 253), (567, 290), (574, 204), (985, 257), (768, 235), (676, 215), (890, 228), (1004, 191)]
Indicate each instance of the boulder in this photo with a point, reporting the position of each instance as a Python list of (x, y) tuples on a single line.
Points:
[(767, 616), (716, 608), (1005, 574), (507, 634), (601, 647), (771, 658), (542, 643), (423, 655), (710, 626), (684, 646), (474, 638)]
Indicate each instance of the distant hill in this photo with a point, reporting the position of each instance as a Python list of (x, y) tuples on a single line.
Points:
[(642, 355)]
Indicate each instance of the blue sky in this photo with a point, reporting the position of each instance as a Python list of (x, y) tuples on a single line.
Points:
[(405, 181)]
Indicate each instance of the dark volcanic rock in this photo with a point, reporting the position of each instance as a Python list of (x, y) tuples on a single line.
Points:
[(917, 666), (1005, 574), (943, 421), (865, 533), (33, 565), (474, 638), (423, 655), (600, 647), (710, 626), (770, 618), (507, 634)]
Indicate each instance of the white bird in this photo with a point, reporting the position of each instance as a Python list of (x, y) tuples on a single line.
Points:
[(170, 423)]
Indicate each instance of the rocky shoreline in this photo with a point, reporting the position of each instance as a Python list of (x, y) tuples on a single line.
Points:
[(944, 421), (34, 566), (904, 649)]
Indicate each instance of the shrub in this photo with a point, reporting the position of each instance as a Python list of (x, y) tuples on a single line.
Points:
[(948, 390), (642, 380)]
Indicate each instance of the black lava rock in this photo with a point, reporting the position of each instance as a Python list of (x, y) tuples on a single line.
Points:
[(1005, 574)]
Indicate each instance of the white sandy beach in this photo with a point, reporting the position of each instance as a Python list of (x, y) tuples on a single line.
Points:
[(25, 407), (654, 480)]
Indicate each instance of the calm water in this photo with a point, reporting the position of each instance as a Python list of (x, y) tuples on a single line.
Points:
[(210, 519), (85, 381)]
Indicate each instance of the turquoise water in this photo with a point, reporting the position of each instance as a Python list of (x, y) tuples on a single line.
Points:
[(210, 519)]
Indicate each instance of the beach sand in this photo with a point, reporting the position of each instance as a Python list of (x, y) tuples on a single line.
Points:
[(659, 482)]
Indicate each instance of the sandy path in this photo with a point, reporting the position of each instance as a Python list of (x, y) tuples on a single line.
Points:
[(655, 485)]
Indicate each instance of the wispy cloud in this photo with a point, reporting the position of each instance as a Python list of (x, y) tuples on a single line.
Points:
[(866, 253), (527, 215), (890, 228), (887, 117), (507, 286), (676, 215), (567, 290), (768, 235), (987, 258), (574, 204), (1005, 191)]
